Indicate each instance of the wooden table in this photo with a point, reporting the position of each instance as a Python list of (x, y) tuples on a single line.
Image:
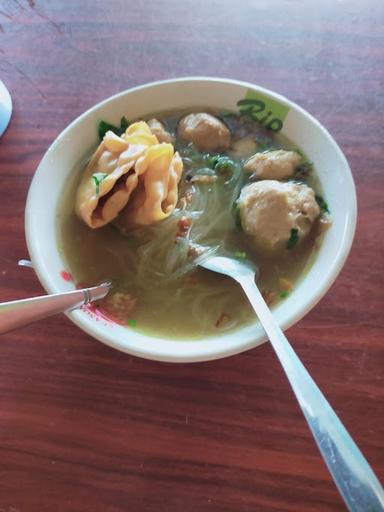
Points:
[(86, 428)]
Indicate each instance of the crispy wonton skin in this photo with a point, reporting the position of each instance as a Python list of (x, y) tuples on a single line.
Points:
[(133, 173)]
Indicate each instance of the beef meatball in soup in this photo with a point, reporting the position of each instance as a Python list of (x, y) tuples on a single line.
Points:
[(205, 131), (271, 210)]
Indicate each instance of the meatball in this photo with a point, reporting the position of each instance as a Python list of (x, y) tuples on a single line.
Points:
[(207, 132), (270, 210), (244, 147), (273, 165), (158, 129)]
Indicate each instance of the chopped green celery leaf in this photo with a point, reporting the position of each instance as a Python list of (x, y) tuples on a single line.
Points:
[(223, 162), (241, 255), (238, 222), (303, 169), (293, 239), (211, 160), (229, 169), (236, 214), (322, 203), (235, 205), (123, 124), (98, 177), (284, 294), (132, 323), (223, 166), (104, 127)]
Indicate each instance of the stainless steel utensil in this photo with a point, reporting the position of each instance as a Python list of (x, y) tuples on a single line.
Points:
[(355, 480), (18, 313)]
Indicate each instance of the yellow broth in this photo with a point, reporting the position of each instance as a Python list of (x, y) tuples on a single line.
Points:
[(195, 305)]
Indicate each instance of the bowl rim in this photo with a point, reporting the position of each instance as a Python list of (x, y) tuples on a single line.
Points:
[(153, 352)]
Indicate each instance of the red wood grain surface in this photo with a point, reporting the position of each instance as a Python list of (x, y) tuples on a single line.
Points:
[(86, 428)]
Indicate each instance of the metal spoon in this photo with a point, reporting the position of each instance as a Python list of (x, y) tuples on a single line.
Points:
[(18, 313), (355, 480)]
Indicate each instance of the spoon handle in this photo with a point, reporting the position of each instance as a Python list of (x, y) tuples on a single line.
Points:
[(18, 313), (357, 483)]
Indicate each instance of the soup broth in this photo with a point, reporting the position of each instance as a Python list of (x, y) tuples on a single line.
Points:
[(157, 287)]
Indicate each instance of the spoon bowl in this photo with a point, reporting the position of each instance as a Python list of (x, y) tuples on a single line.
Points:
[(230, 267)]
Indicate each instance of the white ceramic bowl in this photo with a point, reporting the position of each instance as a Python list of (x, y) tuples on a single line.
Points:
[(71, 145)]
